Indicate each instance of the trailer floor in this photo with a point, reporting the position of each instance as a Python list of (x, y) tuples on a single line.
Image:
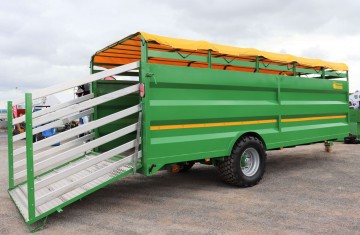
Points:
[(305, 190)]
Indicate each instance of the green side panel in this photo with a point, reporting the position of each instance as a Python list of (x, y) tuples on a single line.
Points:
[(355, 121), (304, 97), (185, 95), (354, 115), (104, 87)]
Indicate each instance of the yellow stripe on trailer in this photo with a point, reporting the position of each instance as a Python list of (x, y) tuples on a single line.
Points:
[(312, 118), (217, 124), (202, 125)]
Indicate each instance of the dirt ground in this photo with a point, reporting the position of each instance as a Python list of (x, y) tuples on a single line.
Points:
[(304, 191)]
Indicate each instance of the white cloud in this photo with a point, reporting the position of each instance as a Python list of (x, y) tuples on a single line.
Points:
[(51, 41)]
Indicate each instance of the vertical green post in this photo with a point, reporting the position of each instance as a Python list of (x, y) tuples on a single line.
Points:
[(347, 97), (209, 59), (279, 103), (92, 64), (294, 69), (145, 125), (29, 155), (257, 66), (322, 72), (10, 144), (144, 50)]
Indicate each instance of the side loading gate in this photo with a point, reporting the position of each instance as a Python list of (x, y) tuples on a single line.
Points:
[(43, 178)]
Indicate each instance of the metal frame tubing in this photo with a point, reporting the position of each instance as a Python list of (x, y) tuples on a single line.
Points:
[(257, 65), (294, 69), (145, 124), (69, 84), (29, 156), (209, 59)]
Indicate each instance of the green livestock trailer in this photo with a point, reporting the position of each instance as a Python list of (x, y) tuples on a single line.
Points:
[(168, 103)]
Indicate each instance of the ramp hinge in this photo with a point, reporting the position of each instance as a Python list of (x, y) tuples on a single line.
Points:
[(149, 75)]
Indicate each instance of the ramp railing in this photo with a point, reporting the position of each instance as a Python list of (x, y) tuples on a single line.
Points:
[(31, 162)]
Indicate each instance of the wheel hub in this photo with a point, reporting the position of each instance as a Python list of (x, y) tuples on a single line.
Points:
[(250, 162)]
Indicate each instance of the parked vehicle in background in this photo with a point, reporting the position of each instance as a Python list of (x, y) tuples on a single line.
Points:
[(3, 118), (354, 100)]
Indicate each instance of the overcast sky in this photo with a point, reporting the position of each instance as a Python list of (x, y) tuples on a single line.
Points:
[(46, 42)]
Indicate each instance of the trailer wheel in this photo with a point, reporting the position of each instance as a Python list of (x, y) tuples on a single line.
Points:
[(186, 166), (246, 165)]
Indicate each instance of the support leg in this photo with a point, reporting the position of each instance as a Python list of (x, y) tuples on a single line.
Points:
[(329, 146)]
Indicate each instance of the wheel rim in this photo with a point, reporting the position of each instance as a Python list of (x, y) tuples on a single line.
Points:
[(250, 162)]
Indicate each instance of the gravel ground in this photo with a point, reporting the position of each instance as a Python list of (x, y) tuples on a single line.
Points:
[(304, 191)]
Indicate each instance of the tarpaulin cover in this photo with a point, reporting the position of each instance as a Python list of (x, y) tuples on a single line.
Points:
[(237, 51), (130, 51)]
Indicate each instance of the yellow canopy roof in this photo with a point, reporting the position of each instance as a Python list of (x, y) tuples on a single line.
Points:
[(237, 51), (128, 50)]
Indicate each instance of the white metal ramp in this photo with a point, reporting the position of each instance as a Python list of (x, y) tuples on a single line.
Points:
[(68, 188), (43, 178)]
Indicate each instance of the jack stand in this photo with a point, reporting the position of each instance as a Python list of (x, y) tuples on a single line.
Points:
[(329, 146)]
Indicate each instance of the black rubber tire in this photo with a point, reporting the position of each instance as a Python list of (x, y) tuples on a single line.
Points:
[(38, 137), (350, 139), (185, 166), (230, 170), (16, 132)]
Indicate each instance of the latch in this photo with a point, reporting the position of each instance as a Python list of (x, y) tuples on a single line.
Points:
[(151, 75)]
